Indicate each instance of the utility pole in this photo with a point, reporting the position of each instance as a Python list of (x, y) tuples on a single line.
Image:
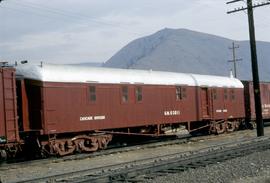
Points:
[(234, 60), (256, 84)]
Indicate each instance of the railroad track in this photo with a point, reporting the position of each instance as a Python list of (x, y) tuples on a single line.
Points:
[(113, 149), (160, 165)]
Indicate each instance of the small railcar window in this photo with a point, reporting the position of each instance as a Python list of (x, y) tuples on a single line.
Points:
[(180, 93), (92, 93), (124, 94), (215, 94), (225, 94), (138, 94), (232, 94)]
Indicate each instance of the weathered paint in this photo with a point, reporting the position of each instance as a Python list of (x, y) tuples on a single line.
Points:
[(8, 105), (66, 107)]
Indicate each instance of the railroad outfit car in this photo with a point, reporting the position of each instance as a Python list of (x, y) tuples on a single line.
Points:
[(67, 109)]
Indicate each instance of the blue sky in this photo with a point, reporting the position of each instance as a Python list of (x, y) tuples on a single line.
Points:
[(74, 31)]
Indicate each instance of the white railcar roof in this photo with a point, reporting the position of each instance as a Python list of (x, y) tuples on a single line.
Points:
[(85, 74)]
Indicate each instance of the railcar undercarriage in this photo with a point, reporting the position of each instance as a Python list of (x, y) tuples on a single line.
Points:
[(222, 126), (79, 143), (10, 151)]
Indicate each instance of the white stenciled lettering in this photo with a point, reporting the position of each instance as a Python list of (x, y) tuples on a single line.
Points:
[(99, 117), (266, 105), (221, 110), (90, 118), (171, 113), (86, 118)]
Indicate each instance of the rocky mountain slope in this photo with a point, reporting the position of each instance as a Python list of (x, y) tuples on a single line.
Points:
[(182, 50)]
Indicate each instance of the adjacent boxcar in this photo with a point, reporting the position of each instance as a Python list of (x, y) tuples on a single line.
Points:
[(9, 134), (250, 103)]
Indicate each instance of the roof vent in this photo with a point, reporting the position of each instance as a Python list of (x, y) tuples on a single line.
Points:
[(231, 74), (24, 62)]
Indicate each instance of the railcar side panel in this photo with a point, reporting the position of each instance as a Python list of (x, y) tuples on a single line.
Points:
[(234, 103), (72, 107), (61, 108), (75, 107), (222, 103)]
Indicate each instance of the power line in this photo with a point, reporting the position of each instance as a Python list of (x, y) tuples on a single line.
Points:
[(234, 60), (22, 11), (253, 51), (73, 15), (67, 15), (234, 1), (63, 13)]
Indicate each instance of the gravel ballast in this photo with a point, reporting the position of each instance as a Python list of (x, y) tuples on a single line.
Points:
[(222, 172), (252, 168)]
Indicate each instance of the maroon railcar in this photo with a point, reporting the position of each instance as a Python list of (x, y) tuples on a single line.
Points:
[(59, 104), (250, 103)]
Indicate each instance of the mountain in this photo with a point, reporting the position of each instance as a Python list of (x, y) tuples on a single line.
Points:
[(182, 50)]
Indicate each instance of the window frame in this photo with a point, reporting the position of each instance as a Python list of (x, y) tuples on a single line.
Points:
[(92, 93), (180, 93), (124, 94), (138, 93)]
